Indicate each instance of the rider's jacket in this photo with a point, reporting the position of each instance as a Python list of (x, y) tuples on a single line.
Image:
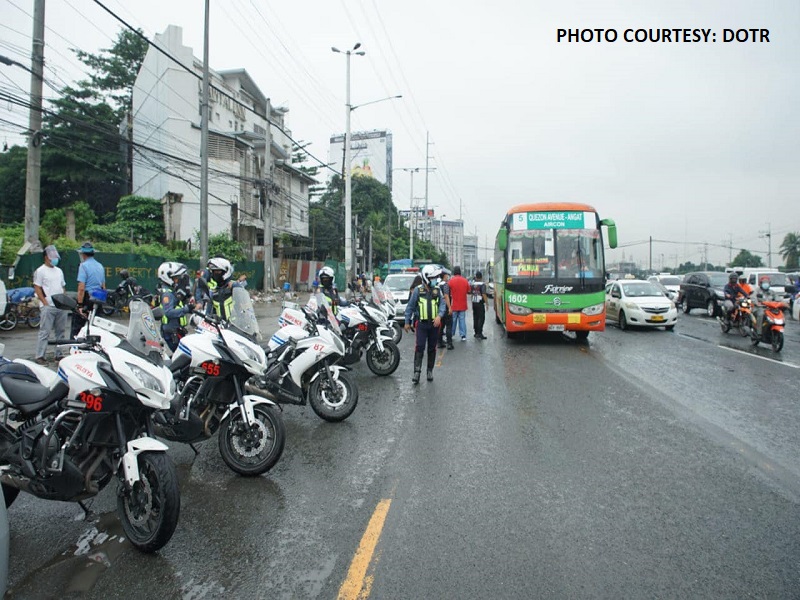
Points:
[(174, 311), (425, 304)]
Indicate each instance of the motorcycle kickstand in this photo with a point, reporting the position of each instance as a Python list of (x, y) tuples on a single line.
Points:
[(88, 515), (196, 451)]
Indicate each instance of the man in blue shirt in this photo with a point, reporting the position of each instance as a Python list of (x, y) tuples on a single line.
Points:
[(91, 277)]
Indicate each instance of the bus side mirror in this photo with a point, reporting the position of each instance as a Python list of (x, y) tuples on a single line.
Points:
[(502, 240), (612, 232)]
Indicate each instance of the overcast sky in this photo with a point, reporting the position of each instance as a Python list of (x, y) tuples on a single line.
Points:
[(685, 142)]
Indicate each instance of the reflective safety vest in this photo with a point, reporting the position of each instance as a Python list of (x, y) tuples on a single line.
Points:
[(428, 306), (226, 305), (183, 321)]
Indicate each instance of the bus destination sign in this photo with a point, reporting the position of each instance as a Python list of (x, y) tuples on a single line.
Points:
[(554, 220)]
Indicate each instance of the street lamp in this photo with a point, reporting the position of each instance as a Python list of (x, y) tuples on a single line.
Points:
[(348, 242)]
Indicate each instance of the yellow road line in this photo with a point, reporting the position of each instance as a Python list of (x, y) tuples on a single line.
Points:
[(357, 575)]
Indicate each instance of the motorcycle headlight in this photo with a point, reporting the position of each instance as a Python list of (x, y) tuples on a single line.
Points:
[(250, 353), (515, 309), (591, 311), (147, 380)]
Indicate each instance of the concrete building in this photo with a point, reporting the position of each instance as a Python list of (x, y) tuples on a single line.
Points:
[(250, 160), (471, 263)]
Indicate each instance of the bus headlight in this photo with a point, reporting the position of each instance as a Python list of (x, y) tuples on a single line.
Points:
[(591, 311), (519, 310)]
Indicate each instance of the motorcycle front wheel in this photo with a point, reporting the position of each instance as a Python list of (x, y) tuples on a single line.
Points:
[(333, 399), (725, 324), (251, 451), (386, 362), (149, 511), (777, 341)]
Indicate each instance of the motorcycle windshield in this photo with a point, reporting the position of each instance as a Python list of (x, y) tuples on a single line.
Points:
[(320, 303), (144, 333), (243, 315), (379, 297)]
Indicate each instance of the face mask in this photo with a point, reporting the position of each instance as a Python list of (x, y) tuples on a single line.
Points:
[(765, 286), (434, 282), (55, 261)]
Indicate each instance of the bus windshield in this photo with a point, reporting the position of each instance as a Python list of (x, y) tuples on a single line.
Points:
[(555, 253)]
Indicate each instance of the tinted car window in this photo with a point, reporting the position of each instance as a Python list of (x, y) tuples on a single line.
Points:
[(718, 279)]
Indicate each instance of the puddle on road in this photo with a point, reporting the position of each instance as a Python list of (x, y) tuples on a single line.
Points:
[(78, 568)]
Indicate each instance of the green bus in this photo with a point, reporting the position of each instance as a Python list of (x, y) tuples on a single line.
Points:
[(549, 268)]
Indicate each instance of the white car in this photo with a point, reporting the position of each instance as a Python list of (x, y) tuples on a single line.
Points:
[(399, 284), (633, 302), (672, 283)]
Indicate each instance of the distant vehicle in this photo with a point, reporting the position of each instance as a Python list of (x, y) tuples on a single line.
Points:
[(703, 289), (777, 280), (399, 284), (671, 283), (490, 289), (639, 303)]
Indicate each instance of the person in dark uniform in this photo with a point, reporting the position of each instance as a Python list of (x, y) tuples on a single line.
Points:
[(446, 330), (327, 285), (173, 280), (426, 308), (479, 301)]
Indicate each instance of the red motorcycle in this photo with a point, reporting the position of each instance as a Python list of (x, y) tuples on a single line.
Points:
[(772, 327)]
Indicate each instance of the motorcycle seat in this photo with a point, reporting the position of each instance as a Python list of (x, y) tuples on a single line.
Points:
[(24, 390)]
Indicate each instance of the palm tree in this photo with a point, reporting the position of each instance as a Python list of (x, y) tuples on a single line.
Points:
[(790, 250)]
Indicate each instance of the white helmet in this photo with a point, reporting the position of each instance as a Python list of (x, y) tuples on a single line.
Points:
[(168, 270), (221, 264), (328, 273), (431, 272)]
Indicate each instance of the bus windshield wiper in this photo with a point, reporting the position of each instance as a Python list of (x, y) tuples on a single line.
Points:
[(579, 256)]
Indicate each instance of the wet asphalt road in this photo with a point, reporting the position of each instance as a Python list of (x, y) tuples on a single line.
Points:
[(642, 464)]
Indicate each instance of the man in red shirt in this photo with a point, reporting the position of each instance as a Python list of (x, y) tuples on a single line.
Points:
[(459, 288)]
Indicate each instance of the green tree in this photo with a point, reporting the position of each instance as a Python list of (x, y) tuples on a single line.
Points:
[(54, 221), (221, 244), (790, 250), (746, 259), (13, 165), (142, 217)]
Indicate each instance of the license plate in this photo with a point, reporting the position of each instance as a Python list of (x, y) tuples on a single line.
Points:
[(657, 318), (555, 328)]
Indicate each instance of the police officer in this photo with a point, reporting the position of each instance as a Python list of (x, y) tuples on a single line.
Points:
[(173, 280), (426, 308), (327, 285), (220, 286)]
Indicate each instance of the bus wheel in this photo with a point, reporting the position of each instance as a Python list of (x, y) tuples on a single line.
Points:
[(581, 335), (512, 335)]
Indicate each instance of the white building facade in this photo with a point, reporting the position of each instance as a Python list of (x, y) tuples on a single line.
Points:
[(249, 149)]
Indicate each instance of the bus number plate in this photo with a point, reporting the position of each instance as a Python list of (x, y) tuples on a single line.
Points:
[(555, 328)]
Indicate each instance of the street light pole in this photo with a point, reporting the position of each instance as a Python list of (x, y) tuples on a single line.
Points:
[(348, 210)]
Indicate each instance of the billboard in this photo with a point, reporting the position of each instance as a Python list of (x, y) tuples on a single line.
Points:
[(370, 154)]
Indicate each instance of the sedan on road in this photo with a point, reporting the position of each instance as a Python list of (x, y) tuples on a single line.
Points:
[(400, 285), (633, 302)]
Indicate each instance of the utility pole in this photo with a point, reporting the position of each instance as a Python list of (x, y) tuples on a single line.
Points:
[(204, 151), (651, 254), (427, 158), (369, 268), (34, 167), (267, 205), (768, 234), (355, 239)]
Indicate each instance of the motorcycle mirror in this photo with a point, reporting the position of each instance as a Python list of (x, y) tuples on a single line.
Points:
[(64, 302)]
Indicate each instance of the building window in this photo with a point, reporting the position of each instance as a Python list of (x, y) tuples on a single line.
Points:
[(302, 216)]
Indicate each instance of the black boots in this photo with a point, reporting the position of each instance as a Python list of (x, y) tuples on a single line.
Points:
[(431, 362), (417, 366)]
